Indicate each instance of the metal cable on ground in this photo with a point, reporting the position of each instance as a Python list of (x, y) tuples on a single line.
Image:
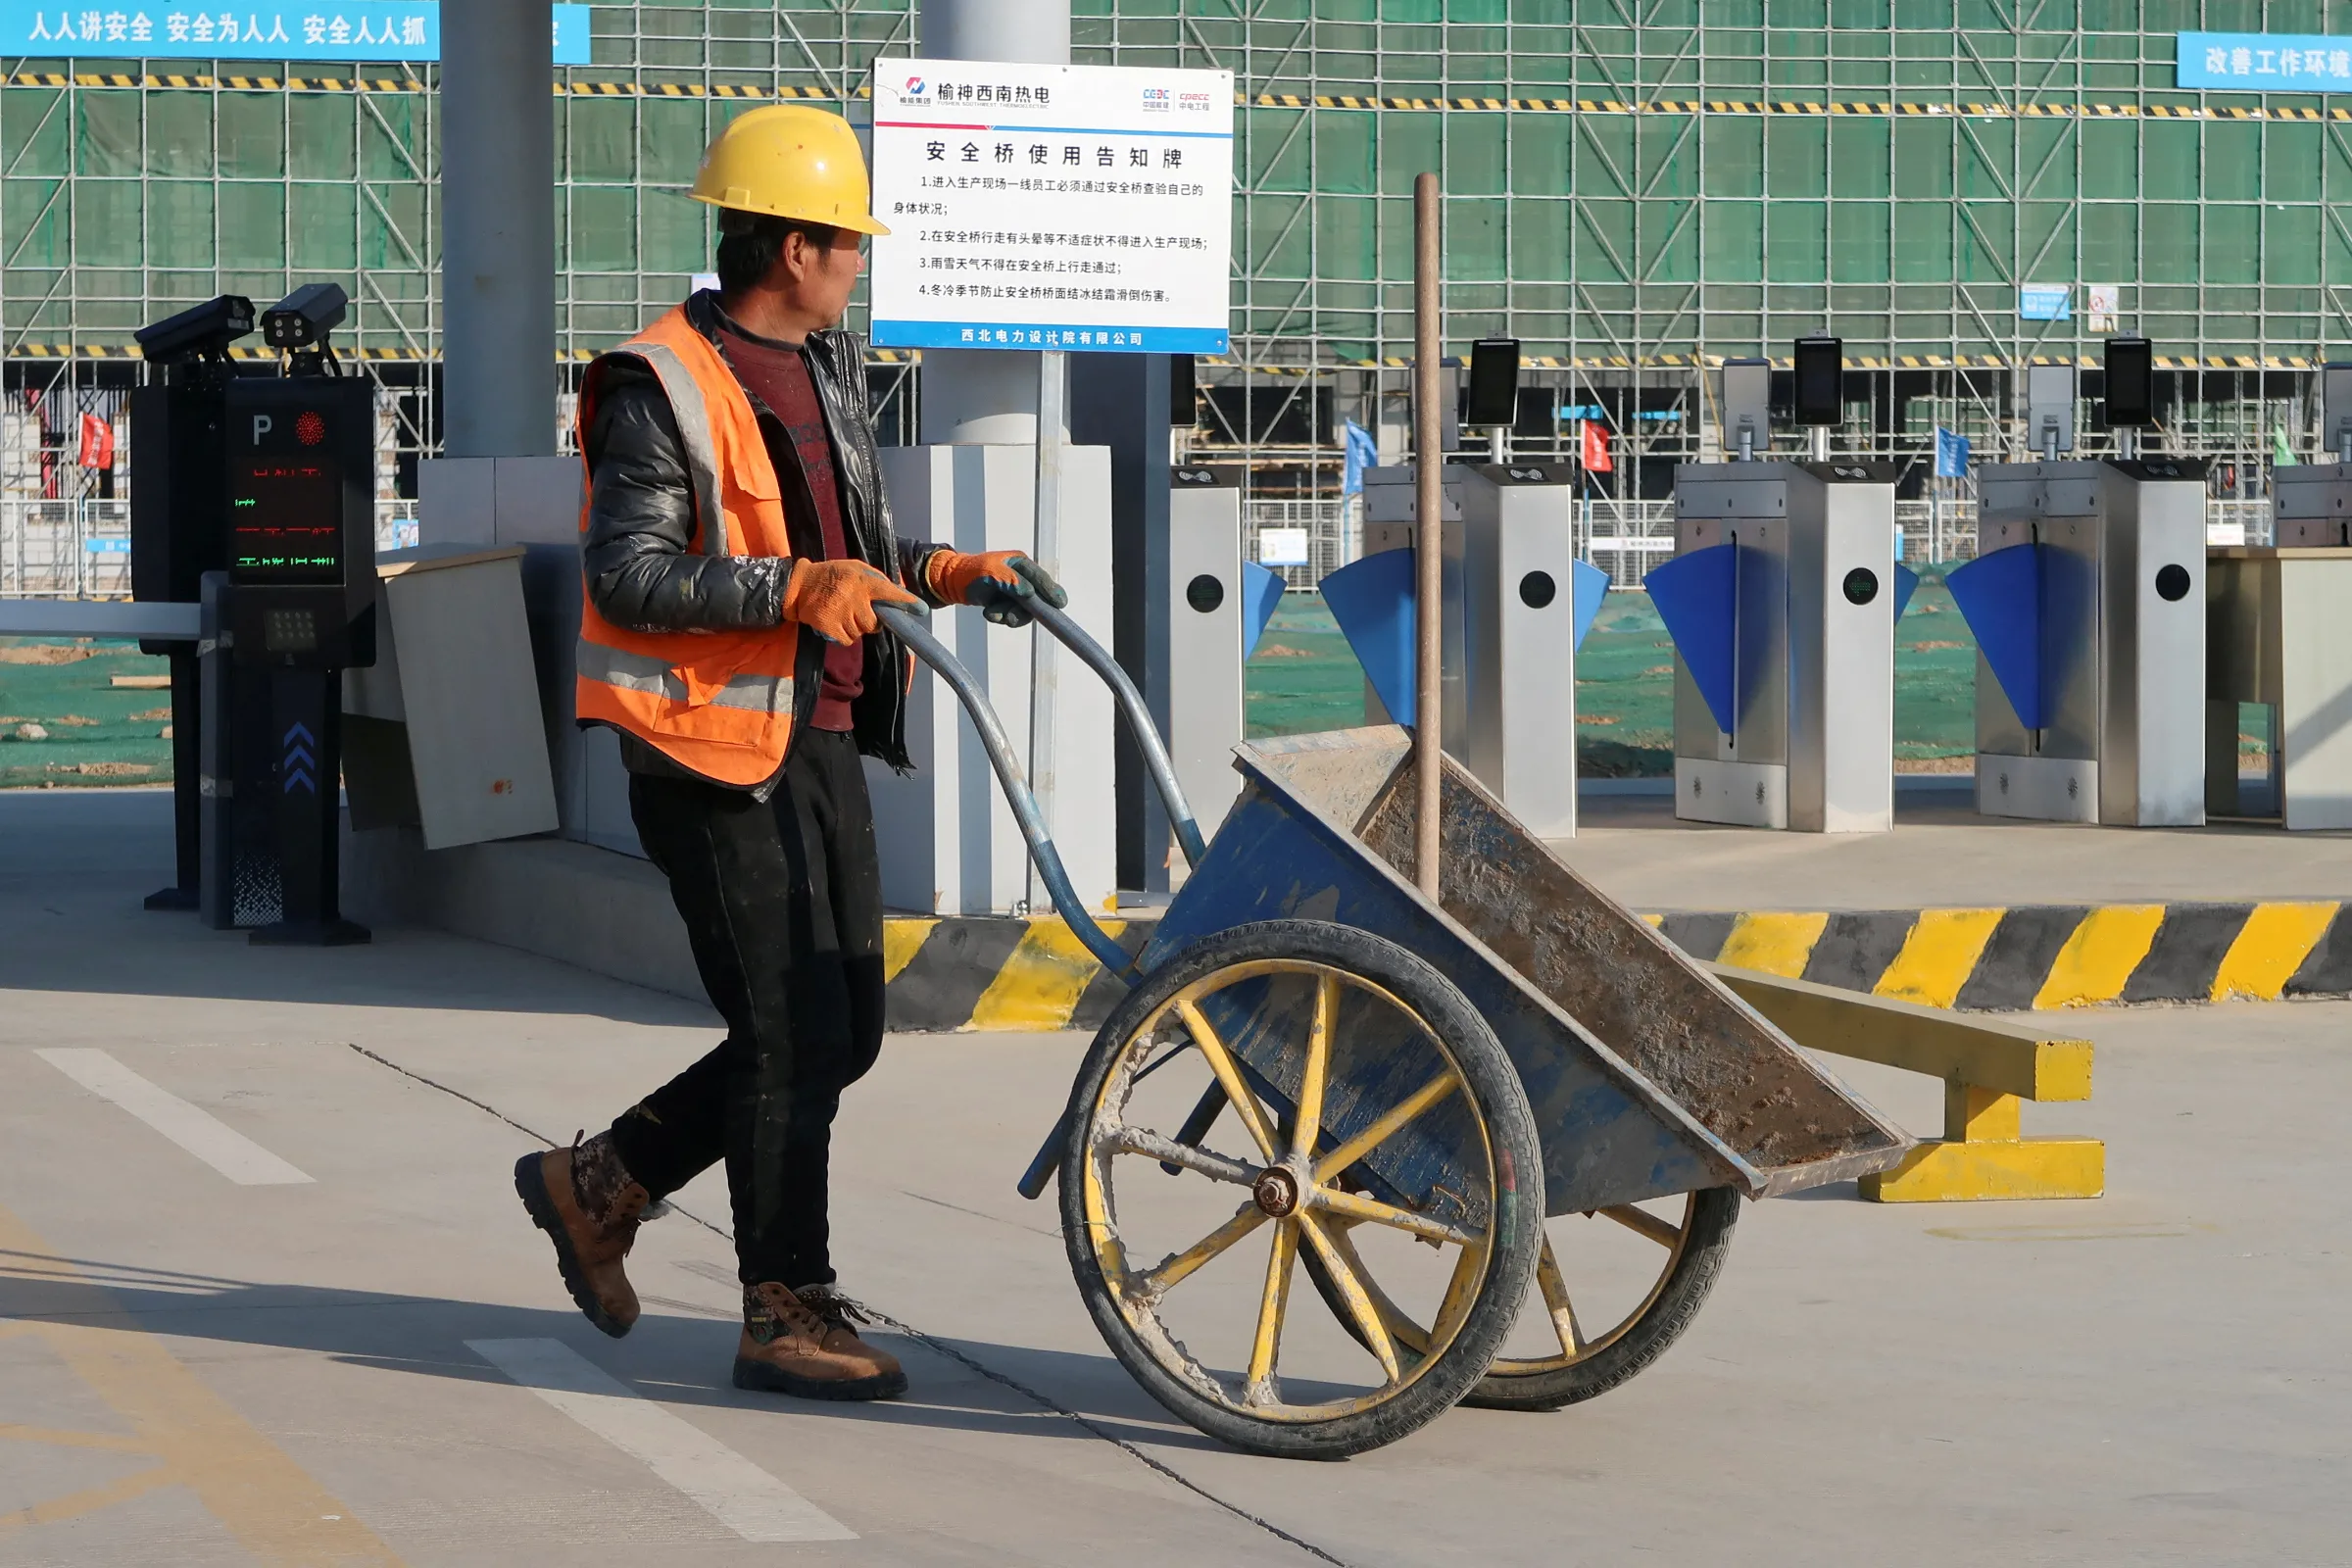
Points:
[(1043, 1400)]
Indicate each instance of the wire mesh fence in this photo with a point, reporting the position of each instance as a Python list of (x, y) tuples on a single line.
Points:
[(82, 549)]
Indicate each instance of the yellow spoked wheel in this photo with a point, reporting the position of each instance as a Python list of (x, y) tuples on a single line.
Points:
[(1320, 1096), (1613, 1289)]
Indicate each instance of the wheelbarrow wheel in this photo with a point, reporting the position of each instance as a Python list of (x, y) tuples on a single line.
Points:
[(1323, 1055), (1614, 1334)]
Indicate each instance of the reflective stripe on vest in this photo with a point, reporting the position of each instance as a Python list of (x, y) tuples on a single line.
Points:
[(685, 396), (642, 672)]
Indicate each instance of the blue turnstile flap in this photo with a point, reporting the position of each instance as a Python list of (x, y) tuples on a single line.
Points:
[(1372, 599), (1261, 590), (1906, 583), (1592, 585), (1697, 596), (2000, 598)]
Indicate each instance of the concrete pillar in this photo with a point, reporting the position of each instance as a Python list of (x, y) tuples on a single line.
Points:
[(970, 396), (497, 235)]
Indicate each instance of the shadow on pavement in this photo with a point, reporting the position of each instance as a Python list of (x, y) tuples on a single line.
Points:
[(679, 1353), (76, 866)]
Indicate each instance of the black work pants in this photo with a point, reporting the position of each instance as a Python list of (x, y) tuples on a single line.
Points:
[(783, 904)]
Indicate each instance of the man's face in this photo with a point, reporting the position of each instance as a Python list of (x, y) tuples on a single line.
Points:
[(820, 280)]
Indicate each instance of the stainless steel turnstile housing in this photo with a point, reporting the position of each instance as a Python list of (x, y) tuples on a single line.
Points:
[(1509, 663), (1204, 637), (2279, 634), (1814, 652), (2122, 654)]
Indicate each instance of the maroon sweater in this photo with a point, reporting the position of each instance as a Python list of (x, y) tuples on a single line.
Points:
[(774, 373)]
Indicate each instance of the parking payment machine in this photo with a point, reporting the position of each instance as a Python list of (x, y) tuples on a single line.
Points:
[(178, 532), (1782, 599), (301, 522), (302, 598)]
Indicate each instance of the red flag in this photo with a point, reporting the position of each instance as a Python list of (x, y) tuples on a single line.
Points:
[(97, 442), (1597, 449)]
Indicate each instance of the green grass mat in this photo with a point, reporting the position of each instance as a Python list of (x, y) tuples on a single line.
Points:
[(1303, 677), (95, 732)]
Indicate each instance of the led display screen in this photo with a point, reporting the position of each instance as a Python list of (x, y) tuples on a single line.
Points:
[(285, 520)]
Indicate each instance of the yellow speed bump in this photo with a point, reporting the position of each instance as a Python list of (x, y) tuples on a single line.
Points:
[(1988, 1068)]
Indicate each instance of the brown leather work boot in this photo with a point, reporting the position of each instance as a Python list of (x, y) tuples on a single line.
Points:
[(590, 1206), (803, 1344)]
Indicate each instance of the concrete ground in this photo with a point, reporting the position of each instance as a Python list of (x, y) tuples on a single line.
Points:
[(1940, 855), (309, 1325)]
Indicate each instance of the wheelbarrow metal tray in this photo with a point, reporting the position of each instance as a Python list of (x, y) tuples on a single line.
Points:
[(1648, 1076)]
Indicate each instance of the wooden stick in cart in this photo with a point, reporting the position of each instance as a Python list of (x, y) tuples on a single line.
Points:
[(1429, 533)]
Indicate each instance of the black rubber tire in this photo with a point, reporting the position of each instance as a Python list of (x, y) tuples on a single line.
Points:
[(1492, 1086), (1645, 1339)]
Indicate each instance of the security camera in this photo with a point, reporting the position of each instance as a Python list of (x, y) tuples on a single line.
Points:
[(200, 333), (304, 317), (300, 323)]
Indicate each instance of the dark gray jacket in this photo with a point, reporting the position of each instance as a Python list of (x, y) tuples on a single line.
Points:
[(638, 556)]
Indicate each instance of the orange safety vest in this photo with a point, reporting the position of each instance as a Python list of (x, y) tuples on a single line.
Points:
[(718, 703)]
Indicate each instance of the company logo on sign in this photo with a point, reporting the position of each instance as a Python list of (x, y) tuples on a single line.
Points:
[(1193, 103), (917, 87), (1156, 100)]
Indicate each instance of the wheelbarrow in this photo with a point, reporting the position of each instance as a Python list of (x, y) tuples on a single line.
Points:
[(1437, 1113)]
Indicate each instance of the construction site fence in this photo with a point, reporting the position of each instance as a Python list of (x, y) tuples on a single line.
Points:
[(82, 549)]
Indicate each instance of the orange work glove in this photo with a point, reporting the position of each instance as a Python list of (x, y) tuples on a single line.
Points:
[(997, 581), (836, 598)]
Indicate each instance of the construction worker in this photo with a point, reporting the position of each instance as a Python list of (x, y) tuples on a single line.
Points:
[(735, 543)]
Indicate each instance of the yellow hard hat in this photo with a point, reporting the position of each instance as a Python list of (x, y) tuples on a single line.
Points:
[(790, 161)]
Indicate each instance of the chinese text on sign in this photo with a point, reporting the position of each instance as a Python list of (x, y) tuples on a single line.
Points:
[(1084, 208)]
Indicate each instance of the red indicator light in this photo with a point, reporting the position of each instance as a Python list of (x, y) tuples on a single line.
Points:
[(310, 429)]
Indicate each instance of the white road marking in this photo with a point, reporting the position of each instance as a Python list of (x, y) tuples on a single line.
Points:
[(219, 1145), (741, 1496)]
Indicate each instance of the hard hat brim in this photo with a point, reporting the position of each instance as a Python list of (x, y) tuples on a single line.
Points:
[(862, 224)]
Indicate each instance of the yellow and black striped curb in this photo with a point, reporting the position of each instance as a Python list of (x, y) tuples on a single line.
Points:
[(985, 973), (2042, 955), (998, 972)]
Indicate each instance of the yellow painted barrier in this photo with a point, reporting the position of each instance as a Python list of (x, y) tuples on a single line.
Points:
[(1040, 985), (1988, 1069)]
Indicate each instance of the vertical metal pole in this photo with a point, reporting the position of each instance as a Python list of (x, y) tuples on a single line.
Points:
[(1049, 398), (498, 252), (1429, 534)]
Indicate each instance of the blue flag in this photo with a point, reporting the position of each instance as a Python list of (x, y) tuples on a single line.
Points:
[(1952, 454), (1362, 453)]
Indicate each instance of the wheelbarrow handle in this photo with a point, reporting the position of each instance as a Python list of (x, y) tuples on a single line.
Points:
[(911, 631), (1157, 760)]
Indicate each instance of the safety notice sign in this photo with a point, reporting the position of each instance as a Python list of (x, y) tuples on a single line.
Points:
[(1084, 208)]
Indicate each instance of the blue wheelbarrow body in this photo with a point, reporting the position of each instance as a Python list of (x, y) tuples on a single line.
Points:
[(1648, 1077)]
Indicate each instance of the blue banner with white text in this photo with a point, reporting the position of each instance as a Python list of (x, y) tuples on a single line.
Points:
[(2263, 61), (350, 31)]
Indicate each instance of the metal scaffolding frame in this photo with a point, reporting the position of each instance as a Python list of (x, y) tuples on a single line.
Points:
[(1639, 191)]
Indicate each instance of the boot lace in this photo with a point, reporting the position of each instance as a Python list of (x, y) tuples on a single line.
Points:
[(836, 1309)]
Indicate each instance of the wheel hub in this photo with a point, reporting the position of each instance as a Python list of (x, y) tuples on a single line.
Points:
[(1276, 1191)]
